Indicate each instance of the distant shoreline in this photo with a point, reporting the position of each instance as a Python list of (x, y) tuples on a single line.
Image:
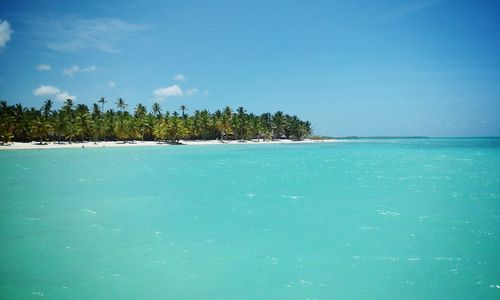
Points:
[(115, 144)]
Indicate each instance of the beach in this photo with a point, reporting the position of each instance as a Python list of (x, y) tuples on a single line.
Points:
[(102, 144)]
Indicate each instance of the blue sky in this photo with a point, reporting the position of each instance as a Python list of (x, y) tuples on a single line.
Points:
[(429, 67)]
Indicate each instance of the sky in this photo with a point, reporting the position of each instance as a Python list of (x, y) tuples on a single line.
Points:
[(363, 68)]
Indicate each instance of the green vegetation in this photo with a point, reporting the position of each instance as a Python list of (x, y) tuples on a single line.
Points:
[(80, 123)]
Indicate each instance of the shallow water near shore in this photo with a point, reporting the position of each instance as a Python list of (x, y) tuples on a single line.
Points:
[(369, 219)]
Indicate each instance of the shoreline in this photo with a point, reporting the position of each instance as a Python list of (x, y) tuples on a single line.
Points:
[(114, 144)]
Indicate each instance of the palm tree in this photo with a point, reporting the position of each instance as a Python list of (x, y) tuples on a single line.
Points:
[(156, 109), (183, 111), (6, 123), (149, 123), (308, 130), (121, 124), (205, 122), (102, 100), (255, 126), (40, 128), (140, 111), (296, 128), (279, 123), (101, 122), (82, 118), (68, 105), (140, 117), (160, 130), (21, 129), (124, 128), (108, 124), (121, 105), (195, 127), (20, 123), (68, 111), (95, 129), (176, 129), (47, 106), (267, 125), (59, 125), (216, 121), (241, 122), (96, 112), (226, 119)]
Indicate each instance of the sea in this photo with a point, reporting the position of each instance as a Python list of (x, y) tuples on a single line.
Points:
[(354, 219)]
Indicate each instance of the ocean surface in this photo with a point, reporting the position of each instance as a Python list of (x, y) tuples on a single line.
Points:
[(361, 219)]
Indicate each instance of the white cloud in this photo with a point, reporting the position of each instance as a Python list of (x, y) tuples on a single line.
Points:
[(174, 91), (179, 77), (169, 91), (112, 84), (206, 93), (191, 92), (5, 32), (71, 70), (50, 90), (65, 95), (89, 69), (46, 90), (76, 69), (43, 67), (74, 34)]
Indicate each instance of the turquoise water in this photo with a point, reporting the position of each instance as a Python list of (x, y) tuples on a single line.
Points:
[(381, 219)]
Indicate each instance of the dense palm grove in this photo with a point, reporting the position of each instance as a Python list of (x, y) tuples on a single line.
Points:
[(77, 122)]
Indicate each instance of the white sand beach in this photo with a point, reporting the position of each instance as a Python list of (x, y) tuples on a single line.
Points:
[(88, 144)]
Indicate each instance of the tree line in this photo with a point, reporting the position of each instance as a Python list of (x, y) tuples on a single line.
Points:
[(78, 122)]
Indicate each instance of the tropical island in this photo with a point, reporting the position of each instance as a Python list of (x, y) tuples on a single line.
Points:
[(79, 123)]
